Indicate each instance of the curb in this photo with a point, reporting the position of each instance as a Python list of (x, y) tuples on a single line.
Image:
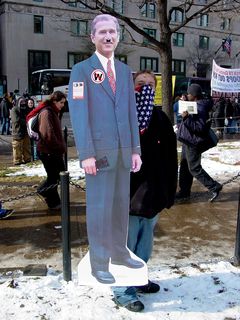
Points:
[(30, 270)]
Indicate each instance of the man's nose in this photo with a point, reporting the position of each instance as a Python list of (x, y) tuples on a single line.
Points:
[(108, 37)]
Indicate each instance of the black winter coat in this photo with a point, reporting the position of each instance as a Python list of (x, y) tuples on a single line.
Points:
[(153, 188)]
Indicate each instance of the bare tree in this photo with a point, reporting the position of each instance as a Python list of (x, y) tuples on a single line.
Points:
[(190, 9)]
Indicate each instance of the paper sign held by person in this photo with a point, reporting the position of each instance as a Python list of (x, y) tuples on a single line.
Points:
[(189, 106)]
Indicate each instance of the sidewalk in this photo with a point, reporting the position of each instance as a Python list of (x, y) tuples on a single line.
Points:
[(193, 231)]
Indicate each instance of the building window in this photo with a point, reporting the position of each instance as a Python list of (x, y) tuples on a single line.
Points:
[(38, 0), (122, 33), (121, 58), (177, 16), (38, 24), (81, 5), (202, 69), (116, 5), (79, 27), (148, 10), (75, 57), (225, 24), (202, 21), (38, 60), (149, 64), (178, 39), (204, 42), (150, 32), (77, 4), (72, 4), (179, 67)]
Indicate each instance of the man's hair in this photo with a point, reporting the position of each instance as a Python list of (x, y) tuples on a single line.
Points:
[(104, 17), (145, 71)]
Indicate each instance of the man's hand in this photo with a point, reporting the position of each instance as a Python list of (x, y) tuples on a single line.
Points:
[(89, 166), (185, 114), (136, 162)]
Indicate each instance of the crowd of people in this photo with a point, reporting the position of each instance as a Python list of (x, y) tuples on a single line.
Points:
[(224, 114), (50, 146)]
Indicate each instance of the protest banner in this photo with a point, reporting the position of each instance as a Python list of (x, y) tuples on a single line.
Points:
[(225, 81)]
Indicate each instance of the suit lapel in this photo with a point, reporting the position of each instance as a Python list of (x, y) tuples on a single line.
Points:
[(96, 64)]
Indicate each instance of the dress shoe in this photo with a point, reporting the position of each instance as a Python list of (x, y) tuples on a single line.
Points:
[(182, 195), (128, 262), (136, 306), (103, 276), (215, 193), (5, 213), (151, 287)]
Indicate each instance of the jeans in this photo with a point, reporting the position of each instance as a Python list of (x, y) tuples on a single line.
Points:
[(6, 126), (140, 242), (190, 167)]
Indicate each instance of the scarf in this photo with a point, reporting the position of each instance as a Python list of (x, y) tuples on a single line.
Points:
[(144, 103)]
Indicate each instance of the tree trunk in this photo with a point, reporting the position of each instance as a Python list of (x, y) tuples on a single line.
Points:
[(166, 58), (166, 70)]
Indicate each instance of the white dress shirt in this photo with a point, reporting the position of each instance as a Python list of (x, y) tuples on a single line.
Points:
[(104, 61)]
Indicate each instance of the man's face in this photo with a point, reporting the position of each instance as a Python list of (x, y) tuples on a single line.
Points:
[(145, 79), (190, 97), (105, 38)]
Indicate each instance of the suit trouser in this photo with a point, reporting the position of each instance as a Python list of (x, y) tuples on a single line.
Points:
[(21, 150), (190, 167), (107, 196)]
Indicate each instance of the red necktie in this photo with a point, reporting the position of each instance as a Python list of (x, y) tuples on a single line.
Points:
[(111, 78)]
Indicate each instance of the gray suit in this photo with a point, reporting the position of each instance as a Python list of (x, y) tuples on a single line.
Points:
[(105, 125)]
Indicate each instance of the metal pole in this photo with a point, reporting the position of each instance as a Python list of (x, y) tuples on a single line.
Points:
[(237, 244), (65, 133), (66, 235)]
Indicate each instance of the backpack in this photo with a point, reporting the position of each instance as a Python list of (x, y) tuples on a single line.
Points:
[(32, 122)]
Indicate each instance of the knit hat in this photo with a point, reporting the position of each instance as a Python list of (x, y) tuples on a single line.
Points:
[(195, 90)]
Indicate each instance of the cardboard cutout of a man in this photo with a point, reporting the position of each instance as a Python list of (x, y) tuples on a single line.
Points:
[(103, 114)]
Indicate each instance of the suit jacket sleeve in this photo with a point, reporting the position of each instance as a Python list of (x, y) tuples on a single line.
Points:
[(79, 114)]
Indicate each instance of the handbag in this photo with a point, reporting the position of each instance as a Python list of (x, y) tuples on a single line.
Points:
[(202, 143), (187, 137), (209, 142), (213, 137)]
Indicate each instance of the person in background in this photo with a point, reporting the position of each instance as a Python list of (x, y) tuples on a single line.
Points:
[(5, 107), (21, 141), (103, 115), (218, 116), (152, 188), (235, 115), (190, 165), (5, 213), (178, 117), (51, 147), (31, 106), (228, 114)]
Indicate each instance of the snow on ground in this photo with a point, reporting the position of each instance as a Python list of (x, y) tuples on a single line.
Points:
[(221, 160), (206, 291), (194, 292)]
